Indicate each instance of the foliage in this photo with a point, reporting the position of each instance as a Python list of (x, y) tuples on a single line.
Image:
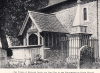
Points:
[(14, 12), (51, 64), (88, 51), (12, 15)]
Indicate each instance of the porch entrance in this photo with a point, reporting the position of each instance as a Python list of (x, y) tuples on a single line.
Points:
[(33, 39), (34, 53)]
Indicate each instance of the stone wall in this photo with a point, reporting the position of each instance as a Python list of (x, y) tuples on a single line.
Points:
[(3, 57), (26, 53), (66, 17), (99, 23)]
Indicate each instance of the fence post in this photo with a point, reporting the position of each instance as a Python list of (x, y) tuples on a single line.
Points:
[(78, 59), (62, 50)]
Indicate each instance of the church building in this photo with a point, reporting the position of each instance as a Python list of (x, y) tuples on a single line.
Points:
[(43, 30)]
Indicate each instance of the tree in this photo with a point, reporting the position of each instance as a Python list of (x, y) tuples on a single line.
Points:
[(12, 15), (15, 12)]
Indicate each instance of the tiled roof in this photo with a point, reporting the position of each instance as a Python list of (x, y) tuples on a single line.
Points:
[(14, 41), (52, 2), (47, 22)]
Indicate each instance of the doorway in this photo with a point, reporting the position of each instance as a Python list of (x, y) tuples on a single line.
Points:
[(33, 39)]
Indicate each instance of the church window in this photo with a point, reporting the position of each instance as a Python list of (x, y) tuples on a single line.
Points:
[(85, 13)]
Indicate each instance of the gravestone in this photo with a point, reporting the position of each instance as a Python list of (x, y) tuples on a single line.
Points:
[(86, 57)]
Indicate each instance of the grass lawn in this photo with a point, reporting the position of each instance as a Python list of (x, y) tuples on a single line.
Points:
[(53, 64)]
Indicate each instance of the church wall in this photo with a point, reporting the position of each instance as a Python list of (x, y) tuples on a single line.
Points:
[(66, 17), (18, 53), (99, 23)]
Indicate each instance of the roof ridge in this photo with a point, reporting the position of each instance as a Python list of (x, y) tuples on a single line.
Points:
[(42, 13)]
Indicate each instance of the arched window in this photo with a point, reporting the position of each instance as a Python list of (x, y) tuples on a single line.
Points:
[(85, 13), (33, 39)]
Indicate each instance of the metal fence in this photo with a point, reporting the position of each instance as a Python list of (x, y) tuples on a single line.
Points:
[(72, 46)]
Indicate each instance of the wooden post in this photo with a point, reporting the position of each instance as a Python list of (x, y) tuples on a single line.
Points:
[(44, 40), (62, 49), (52, 39), (48, 39), (27, 39), (59, 41), (42, 48), (38, 38), (56, 39), (80, 45), (78, 60), (24, 41)]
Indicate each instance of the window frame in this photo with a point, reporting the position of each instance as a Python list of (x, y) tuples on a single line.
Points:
[(87, 14)]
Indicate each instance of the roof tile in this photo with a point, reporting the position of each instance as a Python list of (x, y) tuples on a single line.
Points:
[(48, 22)]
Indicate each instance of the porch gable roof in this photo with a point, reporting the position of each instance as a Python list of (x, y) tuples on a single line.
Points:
[(44, 22)]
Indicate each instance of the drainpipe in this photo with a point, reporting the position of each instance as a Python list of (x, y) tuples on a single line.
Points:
[(98, 30)]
